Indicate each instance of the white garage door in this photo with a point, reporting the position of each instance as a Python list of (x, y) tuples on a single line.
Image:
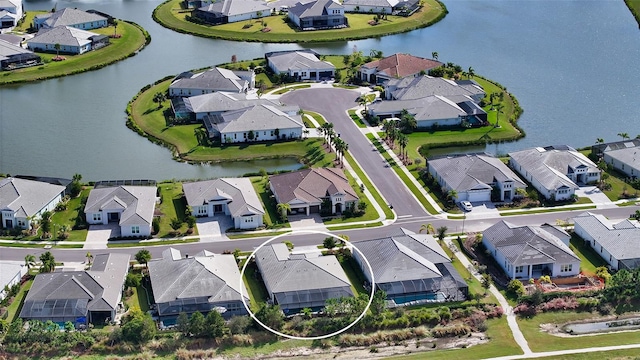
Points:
[(479, 196)]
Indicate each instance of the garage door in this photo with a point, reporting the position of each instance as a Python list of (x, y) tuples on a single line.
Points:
[(479, 196)]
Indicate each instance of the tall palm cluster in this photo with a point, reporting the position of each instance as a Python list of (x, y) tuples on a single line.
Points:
[(334, 141), (395, 131)]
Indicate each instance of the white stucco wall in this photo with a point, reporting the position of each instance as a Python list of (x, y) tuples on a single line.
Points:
[(247, 222), (127, 230), (596, 246), (262, 135), (427, 123)]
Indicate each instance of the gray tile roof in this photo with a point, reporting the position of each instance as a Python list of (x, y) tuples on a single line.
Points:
[(622, 240), (26, 197), (100, 287), (627, 155), (215, 79), (10, 3), (63, 35), (427, 108), (311, 185), (237, 7), (528, 245), (390, 3), (298, 60), (138, 202), (221, 101), (8, 49), (551, 164), (69, 17), (11, 39), (283, 272), (9, 270), (256, 118), (209, 275), (314, 8), (422, 86), (239, 194), (473, 171)]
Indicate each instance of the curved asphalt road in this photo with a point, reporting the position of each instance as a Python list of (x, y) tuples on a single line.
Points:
[(333, 104)]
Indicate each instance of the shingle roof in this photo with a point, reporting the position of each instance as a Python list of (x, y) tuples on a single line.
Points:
[(400, 65), (63, 35), (314, 8), (627, 155), (298, 60), (237, 7), (26, 197), (391, 3), (138, 202), (282, 272), (208, 275), (69, 17), (421, 86), (466, 172), (9, 270), (221, 101), (311, 185), (101, 285), (622, 240), (551, 164), (528, 245), (239, 194), (256, 118), (216, 79), (10, 3)]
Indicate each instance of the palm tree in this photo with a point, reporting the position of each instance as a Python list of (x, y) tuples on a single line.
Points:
[(283, 209), (388, 126), (48, 262), (442, 232), (159, 97), (498, 108), (428, 228), (362, 100), (403, 141), (331, 136), (452, 195), (115, 28), (57, 47), (599, 141), (471, 72), (89, 257), (30, 261), (624, 136), (434, 55), (325, 131), (408, 122), (143, 257)]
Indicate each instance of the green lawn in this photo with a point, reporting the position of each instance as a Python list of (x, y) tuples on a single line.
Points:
[(355, 275), (270, 217), (126, 244), (634, 7), (542, 341), (139, 299), (475, 287), (617, 186), (589, 259), (369, 214), (13, 310), (317, 117), (583, 207), (172, 206), (257, 292), (367, 183), (288, 88), (171, 15), (70, 217), (133, 39), (356, 119)]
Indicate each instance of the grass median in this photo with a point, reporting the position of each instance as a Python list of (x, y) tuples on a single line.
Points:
[(170, 14)]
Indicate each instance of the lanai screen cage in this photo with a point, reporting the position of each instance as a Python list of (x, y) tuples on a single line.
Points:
[(295, 300), (57, 310)]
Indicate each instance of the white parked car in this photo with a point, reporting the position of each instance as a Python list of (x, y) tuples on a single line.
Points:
[(466, 206)]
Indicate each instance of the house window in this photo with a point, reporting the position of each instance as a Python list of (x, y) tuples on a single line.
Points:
[(601, 249), (202, 210), (135, 229), (248, 219), (97, 217), (566, 267), (21, 223), (519, 269)]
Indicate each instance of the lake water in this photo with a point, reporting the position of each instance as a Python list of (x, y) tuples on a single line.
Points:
[(571, 64)]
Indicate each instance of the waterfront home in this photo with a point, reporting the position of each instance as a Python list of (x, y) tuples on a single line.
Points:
[(22, 201), (212, 80), (298, 281), (475, 177), (234, 197), (69, 40), (555, 171), (396, 66), (254, 123), (623, 156), (300, 65), (318, 14), (230, 11), (81, 297), (411, 88), (306, 191), (410, 267), (15, 56), (70, 17), (11, 273), (618, 243), (197, 108), (10, 13), (526, 252), (131, 207), (370, 6), (201, 282)]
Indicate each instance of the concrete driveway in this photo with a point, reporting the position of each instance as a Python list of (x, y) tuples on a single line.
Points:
[(313, 221), (483, 210), (98, 235), (595, 195), (213, 229), (333, 104)]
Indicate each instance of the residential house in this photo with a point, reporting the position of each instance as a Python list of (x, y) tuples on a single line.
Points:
[(233, 197), (396, 66), (526, 252), (370, 6), (230, 11), (70, 17), (298, 281), (300, 65), (433, 111), (618, 243), (10, 13), (81, 297), (22, 201), (254, 123), (195, 4), (599, 149), (203, 282), (555, 171), (11, 273), (307, 191), (624, 156), (70, 40), (212, 80), (318, 14), (410, 267), (475, 177), (418, 87), (131, 207), (14, 56), (196, 108)]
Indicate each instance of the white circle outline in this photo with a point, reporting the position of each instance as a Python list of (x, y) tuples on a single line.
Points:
[(253, 316)]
